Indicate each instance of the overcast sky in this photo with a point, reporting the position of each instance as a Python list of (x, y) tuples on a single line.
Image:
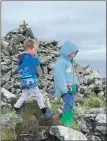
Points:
[(84, 22)]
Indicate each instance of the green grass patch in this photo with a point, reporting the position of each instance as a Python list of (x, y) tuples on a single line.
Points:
[(92, 101), (76, 125)]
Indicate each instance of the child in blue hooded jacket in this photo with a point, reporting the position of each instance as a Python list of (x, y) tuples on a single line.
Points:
[(28, 75), (65, 79)]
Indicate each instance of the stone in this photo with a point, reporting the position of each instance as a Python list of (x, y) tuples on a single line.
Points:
[(45, 59), (95, 74), (65, 133), (4, 43), (6, 77), (98, 82), (56, 53), (5, 51), (8, 85), (6, 62), (87, 71), (51, 66), (101, 93), (82, 90), (4, 68), (10, 119), (95, 138), (16, 31), (101, 118), (96, 111), (6, 108), (9, 96), (101, 129)]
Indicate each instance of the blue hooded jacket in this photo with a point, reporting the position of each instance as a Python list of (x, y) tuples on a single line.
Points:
[(27, 69), (63, 70)]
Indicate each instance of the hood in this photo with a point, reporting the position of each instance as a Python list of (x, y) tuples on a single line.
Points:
[(67, 48), (21, 57)]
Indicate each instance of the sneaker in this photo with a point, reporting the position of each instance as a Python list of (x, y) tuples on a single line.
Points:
[(17, 110), (48, 113)]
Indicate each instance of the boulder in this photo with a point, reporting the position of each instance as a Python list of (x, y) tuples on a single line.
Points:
[(65, 133), (7, 95)]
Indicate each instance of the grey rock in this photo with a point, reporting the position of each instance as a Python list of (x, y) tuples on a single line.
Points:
[(45, 59), (52, 42), (56, 53), (95, 74), (9, 120), (21, 38), (7, 108), (101, 93), (5, 52), (44, 69), (51, 66), (81, 81), (16, 31), (14, 69), (8, 85), (9, 96), (65, 133), (29, 33), (6, 77), (16, 85), (101, 118), (3, 104), (95, 138), (4, 44), (87, 71), (5, 68), (10, 50), (96, 89), (82, 90), (98, 82), (6, 62), (96, 111), (101, 129)]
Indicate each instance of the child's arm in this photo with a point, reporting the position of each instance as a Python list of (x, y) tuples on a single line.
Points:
[(59, 76), (34, 61), (38, 70)]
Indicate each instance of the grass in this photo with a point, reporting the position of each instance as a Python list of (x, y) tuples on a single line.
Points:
[(76, 125), (58, 103), (92, 101), (9, 133), (32, 123)]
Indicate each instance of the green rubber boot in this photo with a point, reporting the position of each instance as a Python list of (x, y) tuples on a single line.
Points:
[(67, 119)]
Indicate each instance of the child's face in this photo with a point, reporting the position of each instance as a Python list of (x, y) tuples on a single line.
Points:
[(73, 54), (33, 51)]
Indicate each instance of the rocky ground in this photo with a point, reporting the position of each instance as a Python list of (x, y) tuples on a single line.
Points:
[(90, 101)]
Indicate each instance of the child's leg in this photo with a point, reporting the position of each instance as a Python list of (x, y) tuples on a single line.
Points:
[(21, 100), (68, 102), (35, 92), (68, 113)]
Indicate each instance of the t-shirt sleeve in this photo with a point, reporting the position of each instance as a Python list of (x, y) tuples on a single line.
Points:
[(35, 61)]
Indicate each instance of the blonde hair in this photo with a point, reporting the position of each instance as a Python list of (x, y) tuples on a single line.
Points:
[(29, 44)]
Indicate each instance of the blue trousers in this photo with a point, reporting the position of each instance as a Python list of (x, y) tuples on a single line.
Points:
[(68, 102)]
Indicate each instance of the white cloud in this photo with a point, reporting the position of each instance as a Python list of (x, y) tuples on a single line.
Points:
[(99, 54), (84, 22)]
